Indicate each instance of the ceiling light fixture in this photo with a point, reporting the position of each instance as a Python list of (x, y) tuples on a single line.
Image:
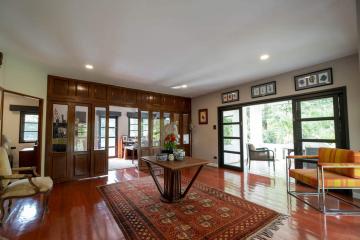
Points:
[(180, 86), (88, 66), (264, 57)]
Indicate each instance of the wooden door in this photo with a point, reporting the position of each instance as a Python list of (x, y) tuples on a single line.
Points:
[(57, 142), (99, 149), (80, 137)]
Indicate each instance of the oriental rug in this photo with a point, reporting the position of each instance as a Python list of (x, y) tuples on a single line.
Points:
[(205, 213)]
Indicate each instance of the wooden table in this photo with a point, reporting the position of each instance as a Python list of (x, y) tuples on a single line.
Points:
[(171, 192)]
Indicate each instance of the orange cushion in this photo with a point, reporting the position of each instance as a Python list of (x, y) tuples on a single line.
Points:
[(336, 155), (332, 180)]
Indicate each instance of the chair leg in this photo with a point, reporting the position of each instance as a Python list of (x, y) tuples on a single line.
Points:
[(2, 209), (10, 201)]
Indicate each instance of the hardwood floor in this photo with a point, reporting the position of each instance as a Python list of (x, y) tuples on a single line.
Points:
[(78, 212)]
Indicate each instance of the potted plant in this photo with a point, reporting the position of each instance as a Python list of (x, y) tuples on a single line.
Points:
[(170, 143)]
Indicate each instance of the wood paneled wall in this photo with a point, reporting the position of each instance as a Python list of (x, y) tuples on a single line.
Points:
[(70, 165), (65, 89)]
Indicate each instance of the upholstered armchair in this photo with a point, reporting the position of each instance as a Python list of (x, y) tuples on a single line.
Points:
[(17, 185), (260, 154)]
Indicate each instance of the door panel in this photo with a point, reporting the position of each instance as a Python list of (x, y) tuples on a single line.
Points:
[(99, 148), (230, 144), (319, 121), (81, 165)]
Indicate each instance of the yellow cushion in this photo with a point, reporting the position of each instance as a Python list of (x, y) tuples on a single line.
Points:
[(336, 155), (332, 180)]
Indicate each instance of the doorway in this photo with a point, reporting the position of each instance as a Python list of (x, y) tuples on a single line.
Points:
[(21, 121), (298, 124), (122, 137)]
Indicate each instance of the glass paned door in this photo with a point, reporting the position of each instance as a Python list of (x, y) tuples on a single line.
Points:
[(230, 138), (81, 129), (318, 123), (112, 148)]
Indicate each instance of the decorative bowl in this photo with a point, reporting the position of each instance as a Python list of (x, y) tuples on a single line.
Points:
[(179, 154), (161, 157)]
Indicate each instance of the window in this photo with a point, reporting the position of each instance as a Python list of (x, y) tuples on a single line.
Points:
[(133, 127), (144, 128), (29, 123), (156, 129), (112, 136)]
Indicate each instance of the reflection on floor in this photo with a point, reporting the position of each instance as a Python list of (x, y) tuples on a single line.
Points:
[(77, 211), (120, 163), (266, 169)]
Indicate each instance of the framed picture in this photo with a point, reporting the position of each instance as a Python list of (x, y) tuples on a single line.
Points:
[(313, 79), (230, 96), (262, 90), (203, 116)]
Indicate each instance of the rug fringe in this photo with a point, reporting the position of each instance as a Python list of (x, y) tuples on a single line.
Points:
[(268, 231)]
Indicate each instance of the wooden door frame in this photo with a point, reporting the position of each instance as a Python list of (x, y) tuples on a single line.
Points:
[(40, 123)]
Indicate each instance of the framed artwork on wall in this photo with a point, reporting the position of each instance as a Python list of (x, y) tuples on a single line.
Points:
[(313, 79), (262, 90), (228, 97), (203, 116)]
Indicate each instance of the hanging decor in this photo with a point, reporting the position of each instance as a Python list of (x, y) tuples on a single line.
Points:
[(263, 90), (313, 79), (228, 97)]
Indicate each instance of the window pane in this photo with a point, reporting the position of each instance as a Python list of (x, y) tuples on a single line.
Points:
[(186, 129), (231, 116), (112, 122), (323, 107), (133, 121), (232, 145), (31, 118), (156, 129), (144, 129), (318, 129), (111, 142), (99, 131), (232, 159), (102, 143), (133, 133), (231, 130), (112, 132), (30, 136), (30, 127), (133, 127), (81, 125), (167, 119), (59, 134), (111, 152)]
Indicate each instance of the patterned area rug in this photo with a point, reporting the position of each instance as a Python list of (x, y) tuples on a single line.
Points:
[(205, 213)]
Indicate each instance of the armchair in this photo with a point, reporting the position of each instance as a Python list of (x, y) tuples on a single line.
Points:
[(17, 185), (336, 169), (260, 154)]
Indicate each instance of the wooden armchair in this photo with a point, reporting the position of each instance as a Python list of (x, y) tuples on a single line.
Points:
[(260, 154), (17, 185)]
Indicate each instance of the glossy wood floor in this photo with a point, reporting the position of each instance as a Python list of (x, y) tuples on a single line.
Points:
[(78, 212)]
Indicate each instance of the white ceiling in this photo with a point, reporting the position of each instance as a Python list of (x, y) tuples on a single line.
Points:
[(153, 45)]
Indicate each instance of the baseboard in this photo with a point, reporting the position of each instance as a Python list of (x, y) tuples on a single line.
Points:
[(215, 165)]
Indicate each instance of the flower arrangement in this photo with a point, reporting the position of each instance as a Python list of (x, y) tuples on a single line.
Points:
[(170, 142)]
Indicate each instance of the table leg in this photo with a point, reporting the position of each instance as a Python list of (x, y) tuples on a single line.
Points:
[(172, 186)]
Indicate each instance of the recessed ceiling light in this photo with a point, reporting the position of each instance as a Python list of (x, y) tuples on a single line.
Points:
[(179, 86), (88, 66), (264, 57)]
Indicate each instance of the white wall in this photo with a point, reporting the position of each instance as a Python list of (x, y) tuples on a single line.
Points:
[(345, 73), (25, 77), (11, 124)]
